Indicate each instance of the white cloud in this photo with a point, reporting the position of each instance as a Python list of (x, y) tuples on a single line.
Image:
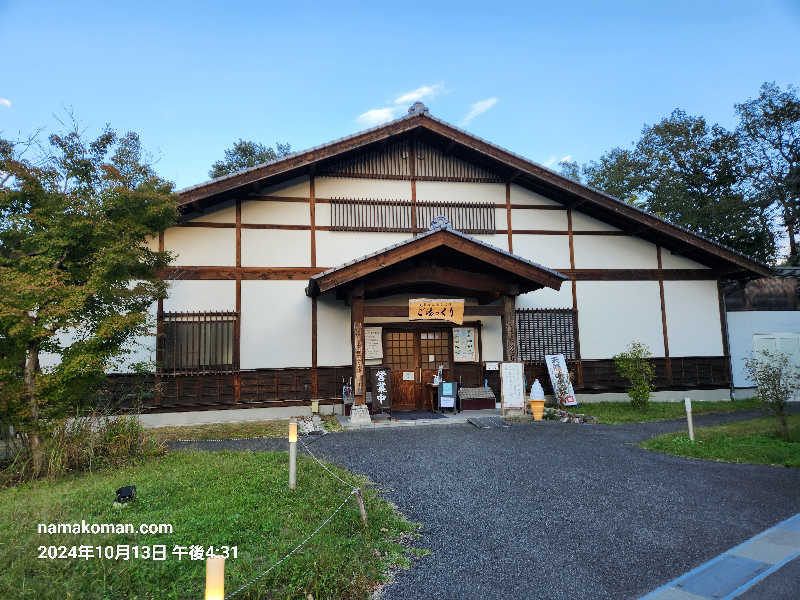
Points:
[(376, 116), (478, 108), (5, 102), (424, 91), (565, 159), (550, 162)]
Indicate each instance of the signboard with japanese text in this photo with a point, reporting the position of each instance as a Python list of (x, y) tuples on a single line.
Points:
[(381, 380), (425, 309), (557, 369), (464, 347), (373, 344), (512, 386)]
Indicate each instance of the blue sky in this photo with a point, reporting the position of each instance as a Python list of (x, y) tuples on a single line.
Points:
[(547, 80)]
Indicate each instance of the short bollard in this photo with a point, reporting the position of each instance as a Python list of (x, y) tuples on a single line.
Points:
[(292, 454), (688, 403), (215, 578)]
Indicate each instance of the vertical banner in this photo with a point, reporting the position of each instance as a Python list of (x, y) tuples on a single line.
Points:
[(557, 368)]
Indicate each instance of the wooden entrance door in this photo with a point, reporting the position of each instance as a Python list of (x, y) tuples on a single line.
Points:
[(414, 357)]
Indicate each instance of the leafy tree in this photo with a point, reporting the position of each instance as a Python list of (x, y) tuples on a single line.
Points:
[(571, 170), (769, 126), (76, 273), (244, 154), (693, 175), (619, 173)]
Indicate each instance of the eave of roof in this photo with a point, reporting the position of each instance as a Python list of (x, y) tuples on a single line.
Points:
[(422, 119)]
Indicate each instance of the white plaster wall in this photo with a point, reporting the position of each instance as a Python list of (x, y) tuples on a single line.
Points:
[(452, 191), (612, 252), (548, 250), (276, 324), (582, 222), (672, 261), (522, 218), (521, 195), (742, 325), (611, 314), (354, 187), (276, 248), (547, 298), (224, 212), (333, 332), (498, 240), (337, 247), (491, 338), (276, 213), (151, 243), (693, 324), (294, 188), (201, 246), (200, 295)]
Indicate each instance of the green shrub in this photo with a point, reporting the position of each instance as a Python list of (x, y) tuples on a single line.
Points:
[(777, 381), (88, 443), (633, 365)]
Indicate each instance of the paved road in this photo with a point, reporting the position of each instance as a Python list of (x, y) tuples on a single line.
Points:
[(551, 510)]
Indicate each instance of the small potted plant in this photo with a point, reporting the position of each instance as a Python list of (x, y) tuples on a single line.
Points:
[(536, 401)]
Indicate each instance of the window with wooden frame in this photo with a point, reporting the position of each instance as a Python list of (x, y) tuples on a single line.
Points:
[(197, 342), (395, 215), (542, 331)]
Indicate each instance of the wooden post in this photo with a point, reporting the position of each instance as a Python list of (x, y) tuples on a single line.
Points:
[(361, 507), (509, 326), (688, 404), (359, 363)]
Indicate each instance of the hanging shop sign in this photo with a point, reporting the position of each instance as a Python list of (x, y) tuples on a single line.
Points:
[(373, 345), (381, 388), (425, 309), (557, 369), (464, 347), (512, 386)]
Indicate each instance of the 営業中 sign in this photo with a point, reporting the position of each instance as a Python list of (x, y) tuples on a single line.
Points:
[(381, 388), (424, 309)]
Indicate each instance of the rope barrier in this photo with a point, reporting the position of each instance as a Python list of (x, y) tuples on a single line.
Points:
[(300, 545)]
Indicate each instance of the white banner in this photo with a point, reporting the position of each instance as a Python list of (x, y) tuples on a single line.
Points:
[(557, 368)]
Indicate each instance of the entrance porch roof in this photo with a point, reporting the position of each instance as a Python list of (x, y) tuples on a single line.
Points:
[(441, 260)]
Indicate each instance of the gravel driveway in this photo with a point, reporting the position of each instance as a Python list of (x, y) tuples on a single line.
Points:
[(551, 510)]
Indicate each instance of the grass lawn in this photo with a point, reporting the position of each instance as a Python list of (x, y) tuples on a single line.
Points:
[(623, 412), (752, 441), (278, 428), (211, 499)]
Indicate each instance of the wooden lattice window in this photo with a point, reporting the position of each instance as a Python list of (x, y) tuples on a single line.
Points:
[(197, 342), (395, 215), (434, 348), (545, 331), (398, 350)]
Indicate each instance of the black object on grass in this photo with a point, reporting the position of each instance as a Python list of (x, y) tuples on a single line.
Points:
[(126, 494)]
